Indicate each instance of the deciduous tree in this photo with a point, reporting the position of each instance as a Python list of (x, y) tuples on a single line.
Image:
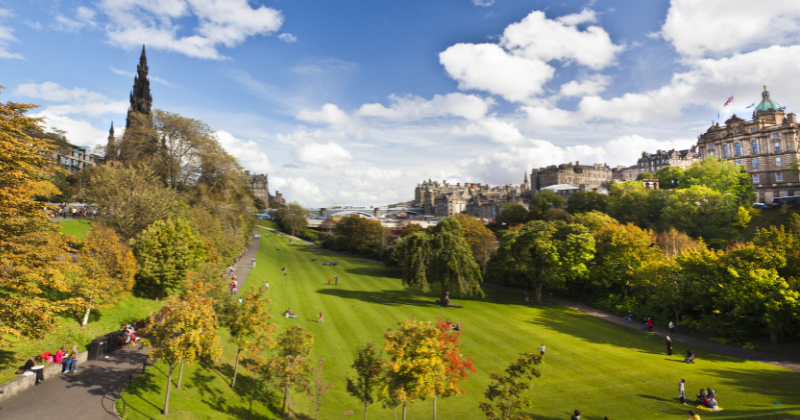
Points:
[(370, 368), (413, 351), (246, 320), (292, 218), (622, 251), (512, 214), (291, 367), (453, 367), (107, 269), (587, 201), (316, 392), (480, 239), (506, 393)]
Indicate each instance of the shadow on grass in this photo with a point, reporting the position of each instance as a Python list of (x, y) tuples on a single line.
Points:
[(385, 297), (217, 401), (778, 384), (143, 384)]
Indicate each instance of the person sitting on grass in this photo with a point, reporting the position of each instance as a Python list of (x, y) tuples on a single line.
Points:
[(457, 327), (693, 415), (712, 404), (289, 313)]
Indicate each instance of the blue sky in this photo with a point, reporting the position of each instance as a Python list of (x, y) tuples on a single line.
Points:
[(357, 101)]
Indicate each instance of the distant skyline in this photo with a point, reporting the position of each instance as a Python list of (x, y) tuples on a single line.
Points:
[(357, 102)]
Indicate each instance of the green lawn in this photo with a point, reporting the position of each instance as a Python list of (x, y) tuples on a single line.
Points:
[(75, 227), (595, 366)]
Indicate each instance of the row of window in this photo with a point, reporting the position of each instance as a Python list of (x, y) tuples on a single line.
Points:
[(738, 148), (752, 130), (754, 162), (778, 177)]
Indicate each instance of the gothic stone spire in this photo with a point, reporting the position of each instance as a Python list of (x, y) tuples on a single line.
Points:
[(111, 147), (140, 97)]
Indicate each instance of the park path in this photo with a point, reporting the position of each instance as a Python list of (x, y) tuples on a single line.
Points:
[(90, 393), (756, 356)]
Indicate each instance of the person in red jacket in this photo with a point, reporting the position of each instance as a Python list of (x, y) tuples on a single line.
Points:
[(61, 357)]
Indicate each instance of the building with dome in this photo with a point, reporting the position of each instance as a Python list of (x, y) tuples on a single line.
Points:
[(766, 145)]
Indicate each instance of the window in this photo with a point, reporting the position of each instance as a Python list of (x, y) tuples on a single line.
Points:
[(777, 146), (755, 146), (738, 148), (775, 135), (752, 130), (738, 162), (755, 178), (779, 177), (777, 161), (724, 134), (755, 163), (735, 133), (724, 150)]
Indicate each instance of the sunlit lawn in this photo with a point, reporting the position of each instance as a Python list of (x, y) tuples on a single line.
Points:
[(592, 365), (75, 227)]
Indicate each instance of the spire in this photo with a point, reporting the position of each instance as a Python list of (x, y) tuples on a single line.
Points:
[(526, 178), (140, 97), (111, 147)]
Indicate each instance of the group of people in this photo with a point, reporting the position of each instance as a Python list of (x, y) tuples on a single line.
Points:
[(456, 327), (290, 314), (35, 365), (129, 334), (706, 398), (65, 211), (233, 286), (576, 415), (331, 263)]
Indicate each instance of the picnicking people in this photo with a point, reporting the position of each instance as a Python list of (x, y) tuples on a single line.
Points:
[(289, 314)]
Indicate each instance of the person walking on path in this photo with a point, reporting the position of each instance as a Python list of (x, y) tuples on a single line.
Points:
[(541, 350), (336, 280), (527, 297), (266, 286), (630, 316), (254, 262), (644, 324), (235, 290), (320, 318), (671, 328), (669, 346), (682, 391), (650, 324)]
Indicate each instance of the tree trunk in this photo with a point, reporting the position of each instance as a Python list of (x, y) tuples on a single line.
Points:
[(404, 409), (677, 314), (538, 289), (158, 292), (445, 296), (366, 406), (86, 316), (285, 400), (434, 406), (508, 410), (252, 395), (180, 375), (169, 385), (773, 337), (235, 366)]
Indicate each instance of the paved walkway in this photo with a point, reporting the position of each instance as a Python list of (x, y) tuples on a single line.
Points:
[(757, 356), (90, 393)]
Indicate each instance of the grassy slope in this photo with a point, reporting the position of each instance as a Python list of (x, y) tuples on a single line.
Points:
[(592, 365), (67, 328)]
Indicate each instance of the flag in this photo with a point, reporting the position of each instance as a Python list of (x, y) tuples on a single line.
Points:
[(751, 105), (728, 101), (782, 108)]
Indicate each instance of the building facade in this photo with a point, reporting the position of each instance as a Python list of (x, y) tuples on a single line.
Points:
[(442, 199), (625, 173), (585, 177), (767, 146), (75, 159), (652, 162)]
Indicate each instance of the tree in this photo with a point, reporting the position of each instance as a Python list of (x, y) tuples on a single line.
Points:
[(327, 225), (290, 368), (723, 176), (644, 175), (359, 234), (586, 201), (670, 177), (247, 320), (413, 351), (33, 254), (512, 214), (131, 198), (166, 251), (370, 369), (673, 242), (254, 359), (411, 229), (317, 390), (622, 250), (107, 270), (544, 254), (260, 204), (480, 239), (593, 220), (701, 211), (442, 256), (545, 200), (628, 203), (506, 393), (453, 367), (292, 218), (184, 329)]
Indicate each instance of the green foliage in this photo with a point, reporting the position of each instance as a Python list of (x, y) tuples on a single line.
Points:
[(701, 211), (628, 202), (587, 201), (248, 320), (291, 367), (506, 393), (292, 218), (512, 214), (644, 175), (260, 204), (545, 200), (670, 177), (593, 220), (622, 251), (443, 256), (543, 254), (723, 176), (480, 239), (360, 235), (370, 369), (166, 251)]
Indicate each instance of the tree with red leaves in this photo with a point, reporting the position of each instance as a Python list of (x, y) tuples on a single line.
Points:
[(454, 365)]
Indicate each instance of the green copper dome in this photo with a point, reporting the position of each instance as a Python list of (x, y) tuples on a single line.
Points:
[(767, 104)]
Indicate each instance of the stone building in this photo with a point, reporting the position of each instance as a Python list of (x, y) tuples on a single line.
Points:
[(652, 162), (625, 173), (766, 145), (585, 177), (479, 200), (259, 184)]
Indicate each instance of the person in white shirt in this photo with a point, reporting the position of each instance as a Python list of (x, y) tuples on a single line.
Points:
[(541, 350)]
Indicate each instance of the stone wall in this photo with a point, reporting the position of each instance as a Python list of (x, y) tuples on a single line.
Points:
[(9, 389)]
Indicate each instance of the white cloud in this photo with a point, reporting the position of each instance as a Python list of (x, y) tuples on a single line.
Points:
[(545, 117), (411, 107), (590, 86), (248, 152), (721, 27), (329, 155), (496, 130), (483, 3), (329, 114), (7, 36), (122, 72), (149, 77), (35, 25), (287, 38), (298, 189), (79, 132), (220, 23), (517, 68), (83, 17), (490, 68), (539, 38), (78, 100)]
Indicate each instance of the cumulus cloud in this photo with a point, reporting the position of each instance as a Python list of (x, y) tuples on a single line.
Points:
[(483, 3), (590, 86), (298, 189), (518, 67), (411, 107), (329, 155), (496, 130), (249, 153), (721, 27), (287, 38), (83, 17), (7, 36), (78, 100), (155, 23), (79, 132), (328, 114)]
